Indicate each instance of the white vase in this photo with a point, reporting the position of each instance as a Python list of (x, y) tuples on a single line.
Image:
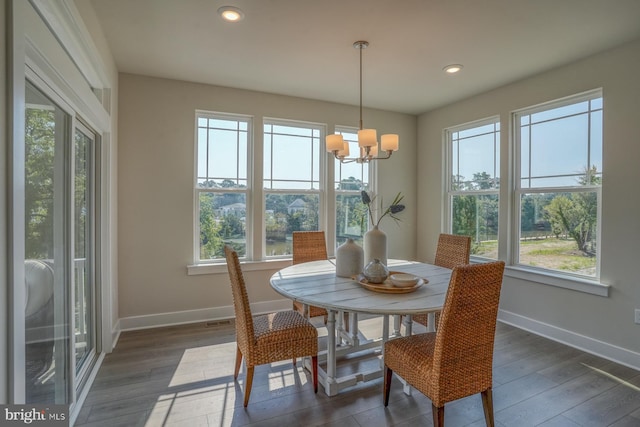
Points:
[(349, 259), (375, 246)]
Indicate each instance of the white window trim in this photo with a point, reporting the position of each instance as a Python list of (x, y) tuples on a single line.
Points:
[(322, 181), (509, 206), (197, 191), (333, 193), (565, 280), (448, 170), (272, 264), (256, 259), (560, 279)]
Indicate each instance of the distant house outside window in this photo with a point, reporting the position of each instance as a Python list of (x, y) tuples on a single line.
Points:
[(293, 182), (350, 180), (222, 184)]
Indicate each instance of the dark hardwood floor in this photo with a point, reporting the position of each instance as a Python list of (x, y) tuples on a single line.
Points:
[(183, 375)]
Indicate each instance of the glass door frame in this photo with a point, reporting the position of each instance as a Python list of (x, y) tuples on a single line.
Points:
[(55, 52), (64, 315), (91, 262)]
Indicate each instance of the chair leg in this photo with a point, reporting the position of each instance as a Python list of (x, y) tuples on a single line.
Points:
[(487, 404), (238, 363), (314, 374), (247, 385), (294, 361), (387, 384), (438, 415)]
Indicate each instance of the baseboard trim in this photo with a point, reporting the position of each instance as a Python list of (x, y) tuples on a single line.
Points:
[(582, 342), (193, 316), (115, 335)]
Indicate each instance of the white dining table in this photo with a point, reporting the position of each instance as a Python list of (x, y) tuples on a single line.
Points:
[(315, 283)]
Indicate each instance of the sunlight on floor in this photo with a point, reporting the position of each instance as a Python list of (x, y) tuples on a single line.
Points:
[(613, 377)]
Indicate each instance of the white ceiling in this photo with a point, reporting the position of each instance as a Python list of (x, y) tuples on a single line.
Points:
[(304, 47)]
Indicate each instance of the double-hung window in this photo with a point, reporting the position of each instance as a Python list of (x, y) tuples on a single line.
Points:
[(558, 185), (257, 213), (350, 180), (473, 151), (292, 181), (222, 184)]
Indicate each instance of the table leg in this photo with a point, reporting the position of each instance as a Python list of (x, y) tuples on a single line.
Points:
[(385, 337), (396, 325), (339, 327), (353, 329), (305, 310), (408, 329), (408, 325), (331, 386), (431, 322)]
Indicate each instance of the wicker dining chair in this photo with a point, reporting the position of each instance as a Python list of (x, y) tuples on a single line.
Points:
[(309, 246), (270, 337), (452, 251), (456, 361)]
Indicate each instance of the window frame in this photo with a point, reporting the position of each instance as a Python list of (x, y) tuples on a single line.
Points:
[(322, 178), (197, 191), (369, 184), (450, 193), (560, 278)]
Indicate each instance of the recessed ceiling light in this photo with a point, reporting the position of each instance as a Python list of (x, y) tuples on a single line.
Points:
[(231, 14), (453, 68)]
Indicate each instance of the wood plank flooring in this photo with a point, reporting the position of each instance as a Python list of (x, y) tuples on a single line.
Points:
[(183, 376)]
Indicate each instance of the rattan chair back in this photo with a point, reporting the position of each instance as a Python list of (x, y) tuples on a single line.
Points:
[(309, 246), (268, 337), (244, 321), (463, 354), (452, 250), (456, 361)]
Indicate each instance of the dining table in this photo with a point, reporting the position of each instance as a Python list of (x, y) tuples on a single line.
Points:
[(315, 283)]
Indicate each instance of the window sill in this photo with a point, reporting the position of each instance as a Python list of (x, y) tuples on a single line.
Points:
[(592, 287), (221, 267)]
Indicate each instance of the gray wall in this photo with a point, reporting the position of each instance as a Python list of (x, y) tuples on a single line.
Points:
[(603, 320), (155, 173)]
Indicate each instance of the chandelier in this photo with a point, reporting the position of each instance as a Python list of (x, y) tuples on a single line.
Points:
[(367, 138)]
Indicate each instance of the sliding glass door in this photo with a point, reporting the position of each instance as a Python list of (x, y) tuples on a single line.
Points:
[(60, 230), (84, 267)]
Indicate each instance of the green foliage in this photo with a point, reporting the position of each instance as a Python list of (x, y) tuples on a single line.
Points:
[(350, 184), (39, 167), (349, 213), (211, 244), (576, 214)]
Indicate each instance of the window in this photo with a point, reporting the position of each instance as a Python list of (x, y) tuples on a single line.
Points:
[(350, 180), (291, 190), (558, 185), (293, 182), (473, 185), (222, 184)]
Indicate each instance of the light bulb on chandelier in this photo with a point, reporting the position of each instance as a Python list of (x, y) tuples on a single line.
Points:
[(367, 138)]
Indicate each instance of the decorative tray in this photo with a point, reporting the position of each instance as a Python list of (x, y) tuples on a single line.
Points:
[(387, 287)]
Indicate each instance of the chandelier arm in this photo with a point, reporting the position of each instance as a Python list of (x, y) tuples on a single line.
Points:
[(346, 159), (389, 153), (366, 141)]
